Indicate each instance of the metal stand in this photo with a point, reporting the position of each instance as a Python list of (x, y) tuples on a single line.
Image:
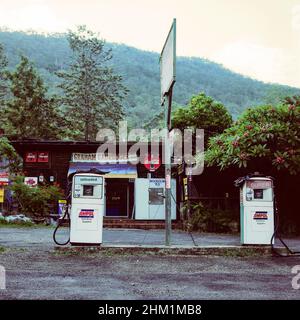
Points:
[(168, 222)]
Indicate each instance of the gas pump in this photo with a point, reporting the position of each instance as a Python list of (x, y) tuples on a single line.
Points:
[(86, 210), (256, 210)]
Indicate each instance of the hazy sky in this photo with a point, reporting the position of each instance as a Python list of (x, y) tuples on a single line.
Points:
[(259, 38)]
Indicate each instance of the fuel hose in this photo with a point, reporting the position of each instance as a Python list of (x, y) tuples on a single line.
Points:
[(59, 224), (276, 234)]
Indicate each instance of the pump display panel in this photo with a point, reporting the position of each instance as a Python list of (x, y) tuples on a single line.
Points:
[(88, 190), (259, 191), (88, 187)]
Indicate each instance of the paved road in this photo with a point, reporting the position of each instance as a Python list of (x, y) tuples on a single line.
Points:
[(42, 238), (35, 271)]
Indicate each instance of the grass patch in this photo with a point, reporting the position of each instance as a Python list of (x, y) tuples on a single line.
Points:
[(23, 224), (110, 252), (245, 252), (12, 250), (98, 252), (16, 224)]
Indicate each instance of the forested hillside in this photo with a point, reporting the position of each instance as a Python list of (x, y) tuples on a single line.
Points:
[(140, 71)]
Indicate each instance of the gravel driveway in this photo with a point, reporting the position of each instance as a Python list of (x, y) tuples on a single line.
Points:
[(36, 271)]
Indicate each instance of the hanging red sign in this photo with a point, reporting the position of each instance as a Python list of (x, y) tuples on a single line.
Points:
[(152, 163), (43, 157), (31, 157)]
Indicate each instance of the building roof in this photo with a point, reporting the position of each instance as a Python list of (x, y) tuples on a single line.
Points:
[(64, 142)]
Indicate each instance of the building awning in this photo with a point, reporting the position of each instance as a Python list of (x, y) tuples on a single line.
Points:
[(115, 170)]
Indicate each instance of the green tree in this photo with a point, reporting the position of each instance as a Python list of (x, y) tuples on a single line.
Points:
[(264, 135), (92, 91), (30, 113), (157, 121), (3, 80), (9, 158), (202, 112)]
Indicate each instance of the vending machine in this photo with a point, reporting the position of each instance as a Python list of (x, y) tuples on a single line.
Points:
[(150, 199)]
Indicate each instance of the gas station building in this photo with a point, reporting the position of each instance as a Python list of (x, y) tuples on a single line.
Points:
[(132, 192)]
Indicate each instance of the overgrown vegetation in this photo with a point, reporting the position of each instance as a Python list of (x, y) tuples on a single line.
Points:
[(268, 134), (37, 201), (205, 219)]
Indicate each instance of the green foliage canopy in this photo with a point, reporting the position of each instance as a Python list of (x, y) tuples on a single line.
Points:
[(9, 158), (29, 113), (202, 112), (3, 80), (265, 134)]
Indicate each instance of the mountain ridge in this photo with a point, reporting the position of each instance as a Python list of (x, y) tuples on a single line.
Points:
[(140, 71)]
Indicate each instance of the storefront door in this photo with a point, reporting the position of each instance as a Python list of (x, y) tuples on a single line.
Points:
[(116, 199)]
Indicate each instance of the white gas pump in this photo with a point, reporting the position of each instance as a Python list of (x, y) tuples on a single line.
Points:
[(256, 210), (87, 209)]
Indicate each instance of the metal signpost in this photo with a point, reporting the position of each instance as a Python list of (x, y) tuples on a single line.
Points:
[(167, 80)]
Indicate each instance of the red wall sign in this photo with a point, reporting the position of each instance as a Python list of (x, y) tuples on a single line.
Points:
[(37, 157), (43, 157), (31, 157)]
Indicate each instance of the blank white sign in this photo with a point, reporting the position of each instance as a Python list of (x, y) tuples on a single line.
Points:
[(168, 61)]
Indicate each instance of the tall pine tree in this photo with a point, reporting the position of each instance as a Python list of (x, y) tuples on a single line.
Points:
[(93, 93), (3, 80), (29, 113)]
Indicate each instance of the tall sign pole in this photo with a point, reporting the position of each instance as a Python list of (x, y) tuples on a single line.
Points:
[(168, 171), (167, 79)]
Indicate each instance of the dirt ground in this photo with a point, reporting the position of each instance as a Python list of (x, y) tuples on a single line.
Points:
[(34, 270)]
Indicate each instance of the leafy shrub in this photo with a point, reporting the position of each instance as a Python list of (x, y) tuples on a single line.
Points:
[(264, 133), (212, 220), (205, 113), (35, 201)]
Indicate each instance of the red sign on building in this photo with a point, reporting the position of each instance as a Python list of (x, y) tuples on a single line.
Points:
[(31, 157), (43, 157), (37, 157)]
